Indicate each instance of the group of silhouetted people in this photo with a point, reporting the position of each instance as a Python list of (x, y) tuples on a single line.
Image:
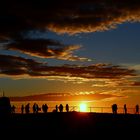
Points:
[(115, 108), (136, 109), (60, 108), (35, 108)]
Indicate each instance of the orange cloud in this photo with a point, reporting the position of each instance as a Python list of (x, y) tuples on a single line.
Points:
[(64, 97)]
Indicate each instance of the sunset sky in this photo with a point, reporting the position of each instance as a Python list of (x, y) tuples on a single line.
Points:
[(71, 50)]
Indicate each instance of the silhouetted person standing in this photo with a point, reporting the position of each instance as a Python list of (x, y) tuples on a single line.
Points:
[(27, 108), (22, 109), (61, 108), (45, 108), (13, 109), (114, 108), (67, 108), (125, 109), (56, 108), (35, 108), (137, 109)]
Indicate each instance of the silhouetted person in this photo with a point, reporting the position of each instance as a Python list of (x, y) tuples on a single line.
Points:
[(56, 108), (27, 108), (22, 108), (61, 108), (125, 109), (35, 108), (45, 108), (13, 109), (137, 109), (67, 108), (114, 108)]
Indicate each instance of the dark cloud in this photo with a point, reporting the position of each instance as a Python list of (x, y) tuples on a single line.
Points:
[(45, 48), (12, 26), (67, 16), (19, 17), (60, 16), (12, 65)]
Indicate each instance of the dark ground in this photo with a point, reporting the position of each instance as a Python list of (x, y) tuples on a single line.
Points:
[(71, 124)]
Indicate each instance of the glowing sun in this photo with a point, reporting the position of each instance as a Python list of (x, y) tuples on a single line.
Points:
[(83, 107)]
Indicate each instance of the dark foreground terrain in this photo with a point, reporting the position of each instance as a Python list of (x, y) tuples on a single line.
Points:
[(73, 124)]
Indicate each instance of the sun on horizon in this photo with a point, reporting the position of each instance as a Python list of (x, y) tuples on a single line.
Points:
[(83, 107)]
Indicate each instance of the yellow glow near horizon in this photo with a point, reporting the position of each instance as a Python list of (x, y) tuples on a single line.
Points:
[(83, 107)]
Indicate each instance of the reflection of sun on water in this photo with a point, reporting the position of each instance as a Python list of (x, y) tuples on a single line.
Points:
[(83, 107)]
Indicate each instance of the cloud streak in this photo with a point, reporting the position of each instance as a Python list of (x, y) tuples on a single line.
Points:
[(45, 48), (64, 97), (12, 65)]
